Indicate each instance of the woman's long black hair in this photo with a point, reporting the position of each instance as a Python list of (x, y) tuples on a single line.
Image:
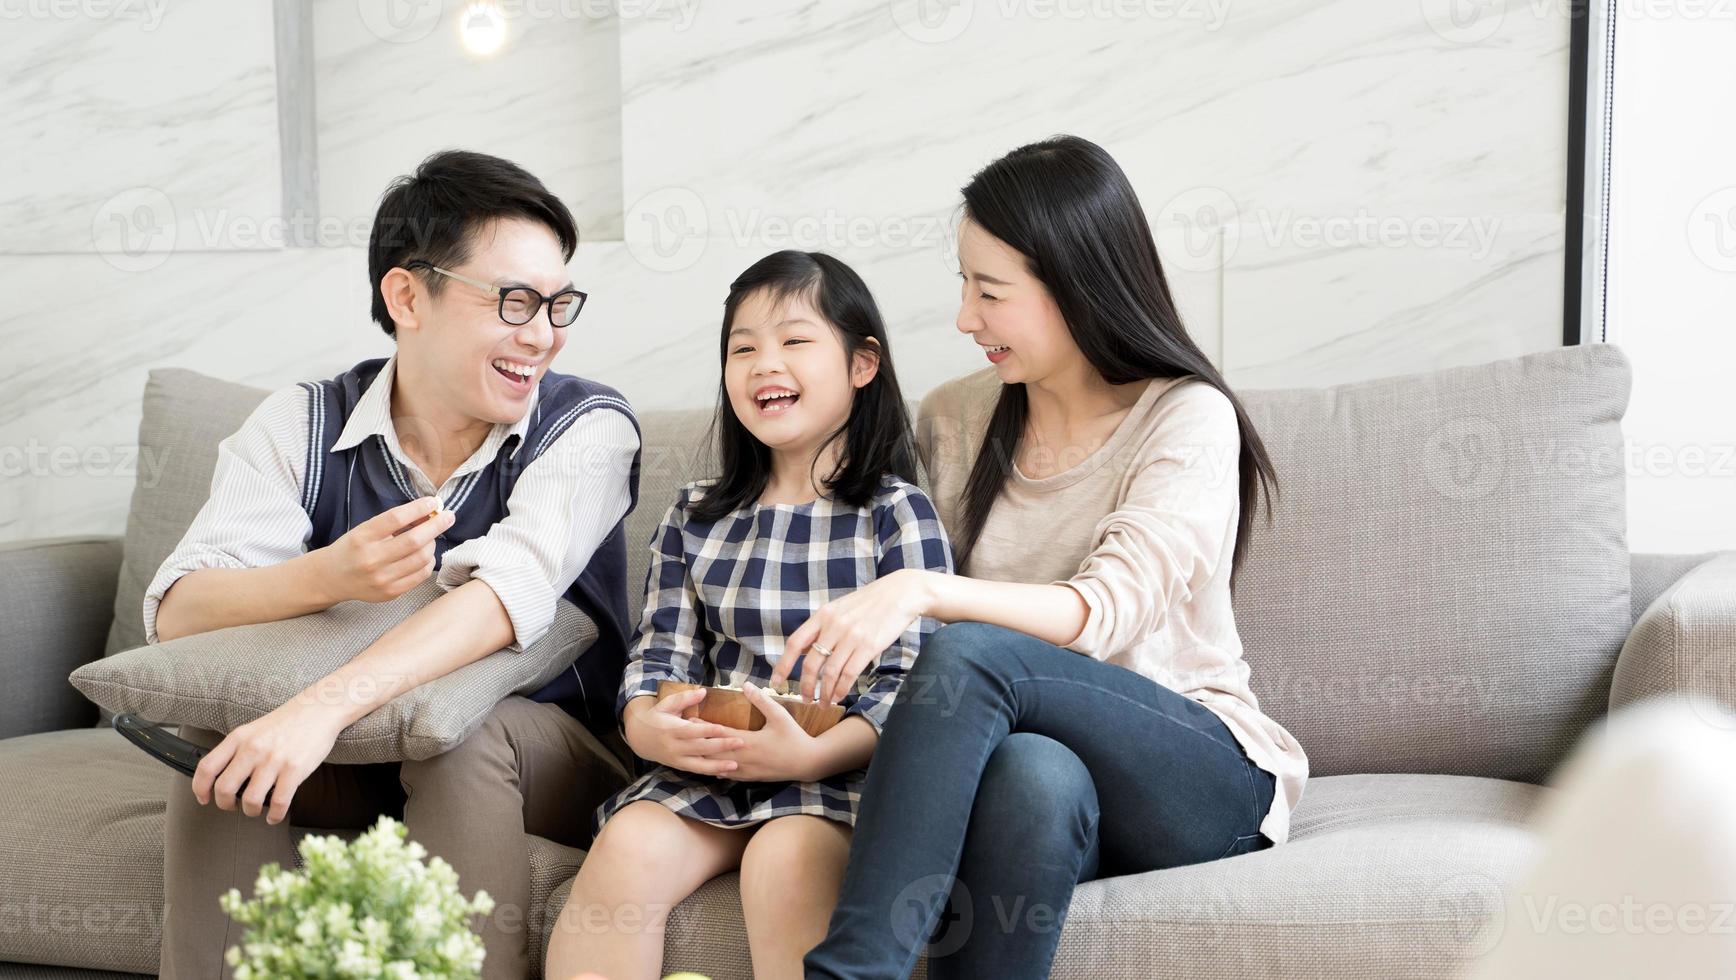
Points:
[(877, 436), (1067, 207)]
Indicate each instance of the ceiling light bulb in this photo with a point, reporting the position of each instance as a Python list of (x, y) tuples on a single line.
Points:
[(482, 29)]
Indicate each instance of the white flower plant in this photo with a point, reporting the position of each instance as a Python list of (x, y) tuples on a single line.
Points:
[(363, 910)]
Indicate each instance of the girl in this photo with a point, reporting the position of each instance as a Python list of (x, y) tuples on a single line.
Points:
[(1101, 478), (815, 500)]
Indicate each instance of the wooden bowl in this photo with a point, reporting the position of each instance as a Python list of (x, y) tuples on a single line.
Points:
[(732, 708)]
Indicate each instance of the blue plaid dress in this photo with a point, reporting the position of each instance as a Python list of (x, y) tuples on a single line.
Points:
[(721, 597)]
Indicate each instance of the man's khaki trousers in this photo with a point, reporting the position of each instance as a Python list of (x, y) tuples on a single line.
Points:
[(530, 769)]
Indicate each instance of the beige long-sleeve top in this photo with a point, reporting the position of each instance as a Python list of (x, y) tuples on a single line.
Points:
[(1143, 528)]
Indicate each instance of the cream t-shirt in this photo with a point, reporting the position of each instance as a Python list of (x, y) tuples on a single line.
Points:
[(1143, 528)]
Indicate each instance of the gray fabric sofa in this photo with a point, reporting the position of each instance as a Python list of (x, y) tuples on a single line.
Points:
[(1442, 605)]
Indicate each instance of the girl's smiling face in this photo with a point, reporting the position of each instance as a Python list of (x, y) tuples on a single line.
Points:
[(789, 380), (1009, 312)]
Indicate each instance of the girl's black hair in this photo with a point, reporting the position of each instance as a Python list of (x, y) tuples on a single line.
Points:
[(877, 436), (1066, 206)]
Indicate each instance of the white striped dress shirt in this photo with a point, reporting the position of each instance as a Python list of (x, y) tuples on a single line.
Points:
[(562, 507)]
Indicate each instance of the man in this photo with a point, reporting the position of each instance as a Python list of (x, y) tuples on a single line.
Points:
[(459, 457)]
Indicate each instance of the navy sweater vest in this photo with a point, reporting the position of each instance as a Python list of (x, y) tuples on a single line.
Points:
[(345, 488)]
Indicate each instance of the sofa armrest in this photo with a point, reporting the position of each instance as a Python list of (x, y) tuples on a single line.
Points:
[(1685, 641), (56, 602)]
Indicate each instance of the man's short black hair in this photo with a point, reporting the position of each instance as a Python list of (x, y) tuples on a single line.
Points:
[(434, 214)]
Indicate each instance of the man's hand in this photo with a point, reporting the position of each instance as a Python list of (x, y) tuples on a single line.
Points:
[(272, 754), (656, 730), (781, 750), (387, 555)]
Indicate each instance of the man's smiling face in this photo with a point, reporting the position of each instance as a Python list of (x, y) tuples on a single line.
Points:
[(478, 363)]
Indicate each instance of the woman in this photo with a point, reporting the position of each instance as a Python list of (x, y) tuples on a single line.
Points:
[(1087, 712)]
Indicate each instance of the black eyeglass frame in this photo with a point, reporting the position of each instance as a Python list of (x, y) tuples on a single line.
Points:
[(502, 292)]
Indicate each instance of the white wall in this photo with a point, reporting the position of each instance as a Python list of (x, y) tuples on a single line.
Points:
[(1342, 189), (1672, 270)]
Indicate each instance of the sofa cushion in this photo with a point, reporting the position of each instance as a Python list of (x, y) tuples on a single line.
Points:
[(1392, 876), (226, 678), (1384, 875), (675, 451), (21, 971), (185, 416), (54, 597), (552, 867), (81, 858), (1444, 585)]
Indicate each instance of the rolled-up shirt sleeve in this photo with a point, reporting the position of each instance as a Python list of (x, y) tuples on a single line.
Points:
[(1168, 536), (253, 517), (564, 504)]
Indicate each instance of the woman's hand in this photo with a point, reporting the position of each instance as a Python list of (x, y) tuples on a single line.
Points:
[(856, 630), (656, 730), (781, 750), (272, 754)]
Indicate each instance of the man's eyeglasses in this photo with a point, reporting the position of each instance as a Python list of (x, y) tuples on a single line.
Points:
[(519, 304)]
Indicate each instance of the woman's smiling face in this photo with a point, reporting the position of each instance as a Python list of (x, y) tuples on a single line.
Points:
[(786, 372), (1009, 312)]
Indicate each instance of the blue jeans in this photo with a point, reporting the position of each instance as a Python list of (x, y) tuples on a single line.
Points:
[(1009, 771)]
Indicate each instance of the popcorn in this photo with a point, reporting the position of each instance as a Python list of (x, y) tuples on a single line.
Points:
[(786, 695)]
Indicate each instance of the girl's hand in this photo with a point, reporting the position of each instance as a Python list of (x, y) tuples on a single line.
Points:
[(857, 629), (656, 730), (781, 750)]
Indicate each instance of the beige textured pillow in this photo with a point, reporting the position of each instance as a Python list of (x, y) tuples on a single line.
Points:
[(224, 679), (1444, 585), (185, 416)]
